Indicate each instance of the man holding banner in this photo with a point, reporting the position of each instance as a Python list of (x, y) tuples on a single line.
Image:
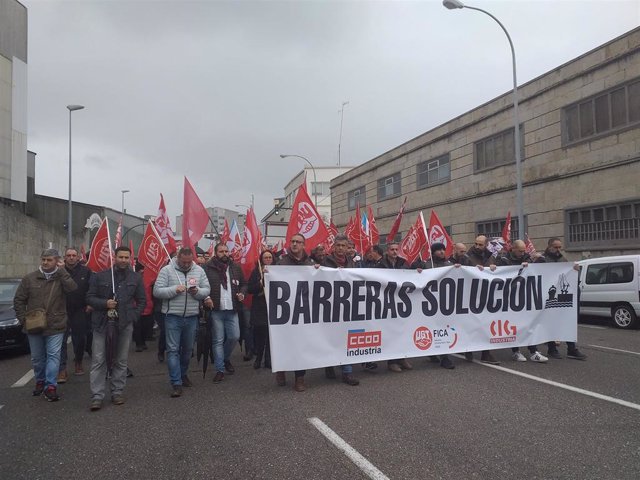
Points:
[(295, 256)]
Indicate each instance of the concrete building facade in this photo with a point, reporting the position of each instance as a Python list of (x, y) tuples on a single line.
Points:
[(580, 131)]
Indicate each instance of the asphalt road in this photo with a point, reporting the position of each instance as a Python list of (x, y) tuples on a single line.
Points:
[(429, 423)]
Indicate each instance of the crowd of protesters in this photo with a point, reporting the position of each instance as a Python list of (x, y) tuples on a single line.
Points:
[(103, 312)]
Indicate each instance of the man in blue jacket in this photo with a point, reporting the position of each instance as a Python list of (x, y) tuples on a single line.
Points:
[(181, 286)]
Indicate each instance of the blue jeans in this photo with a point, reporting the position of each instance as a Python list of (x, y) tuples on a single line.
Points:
[(45, 357), (226, 332), (180, 334)]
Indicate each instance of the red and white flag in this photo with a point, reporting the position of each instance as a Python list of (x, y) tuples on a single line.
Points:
[(414, 241), (83, 254), (234, 244), (118, 240), (152, 253), (529, 248), (100, 253), (333, 231), (251, 244), (226, 233), (163, 226), (396, 223), (506, 232), (358, 236), (210, 249), (195, 217), (306, 221), (374, 235), (437, 233)]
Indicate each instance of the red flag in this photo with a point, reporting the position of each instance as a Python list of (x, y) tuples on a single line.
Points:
[(83, 254), (250, 244), (163, 227), (506, 232), (148, 279), (118, 241), (414, 241), (333, 231), (195, 217), (100, 252), (133, 258), (374, 235), (529, 248), (306, 220), (210, 249), (358, 235), (152, 253), (348, 230), (437, 233), (396, 224), (235, 243), (226, 233)]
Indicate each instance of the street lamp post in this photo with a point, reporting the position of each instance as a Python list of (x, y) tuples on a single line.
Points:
[(123, 192), (315, 179), (71, 108), (454, 4)]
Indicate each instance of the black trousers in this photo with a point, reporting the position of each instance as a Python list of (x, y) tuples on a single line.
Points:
[(162, 339), (261, 342), (78, 327), (142, 328)]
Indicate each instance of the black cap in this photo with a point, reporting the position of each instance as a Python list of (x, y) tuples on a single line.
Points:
[(437, 246)]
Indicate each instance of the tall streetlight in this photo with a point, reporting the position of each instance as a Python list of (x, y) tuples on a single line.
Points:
[(345, 103), (315, 179), (123, 192), (71, 108), (452, 5)]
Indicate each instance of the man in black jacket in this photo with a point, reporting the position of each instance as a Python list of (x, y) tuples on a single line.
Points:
[(553, 254), (77, 312), (119, 290), (228, 289)]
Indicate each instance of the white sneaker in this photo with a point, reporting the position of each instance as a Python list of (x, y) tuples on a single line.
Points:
[(518, 357), (538, 357)]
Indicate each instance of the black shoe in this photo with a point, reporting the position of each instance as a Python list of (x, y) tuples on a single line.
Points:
[(160, 357), (370, 366), (267, 364), (434, 359), (350, 379), (468, 356), (51, 394), (256, 364), (554, 353), (139, 348), (447, 363), (247, 357), (330, 373), (177, 391), (186, 382), (576, 354), (218, 377), (95, 405), (38, 390), (129, 373), (144, 347), (488, 358), (228, 367)]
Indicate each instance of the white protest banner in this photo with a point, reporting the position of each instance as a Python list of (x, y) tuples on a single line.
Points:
[(321, 317)]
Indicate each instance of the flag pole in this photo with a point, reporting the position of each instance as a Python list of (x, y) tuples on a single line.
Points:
[(113, 281), (426, 234), (155, 232)]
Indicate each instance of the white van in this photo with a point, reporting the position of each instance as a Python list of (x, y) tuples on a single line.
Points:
[(610, 287)]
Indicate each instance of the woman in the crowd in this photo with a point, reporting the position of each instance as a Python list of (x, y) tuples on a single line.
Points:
[(259, 319)]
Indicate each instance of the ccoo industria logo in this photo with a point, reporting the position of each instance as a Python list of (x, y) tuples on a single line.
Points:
[(361, 342)]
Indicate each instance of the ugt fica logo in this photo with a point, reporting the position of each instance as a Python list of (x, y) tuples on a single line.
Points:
[(502, 332), (361, 342), (423, 338), (445, 337)]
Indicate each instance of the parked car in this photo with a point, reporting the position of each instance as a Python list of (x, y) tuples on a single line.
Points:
[(11, 334), (610, 287)]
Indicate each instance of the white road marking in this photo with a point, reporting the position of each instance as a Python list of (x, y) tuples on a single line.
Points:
[(362, 463), (596, 327), (582, 391), (615, 349), (26, 378)]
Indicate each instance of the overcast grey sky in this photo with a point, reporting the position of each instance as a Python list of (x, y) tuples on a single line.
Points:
[(216, 90)]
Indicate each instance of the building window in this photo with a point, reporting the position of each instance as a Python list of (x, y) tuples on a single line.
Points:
[(602, 114), (497, 150), (355, 197), (493, 228), (432, 172), (389, 187), (604, 226), (320, 188)]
